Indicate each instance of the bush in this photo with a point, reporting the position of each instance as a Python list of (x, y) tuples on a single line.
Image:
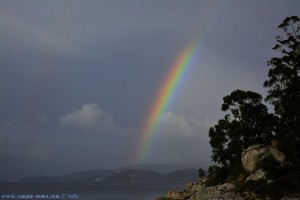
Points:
[(286, 180), (219, 174), (201, 173), (272, 167), (235, 171), (257, 187)]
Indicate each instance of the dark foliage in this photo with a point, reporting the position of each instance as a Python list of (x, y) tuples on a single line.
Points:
[(201, 173), (272, 168), (258, 187), (249, 122), (287, 183), (284, 87), (217, 175)]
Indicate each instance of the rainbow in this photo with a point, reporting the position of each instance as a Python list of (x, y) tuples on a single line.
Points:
[(164, 98)]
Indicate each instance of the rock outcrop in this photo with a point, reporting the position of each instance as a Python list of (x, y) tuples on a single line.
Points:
[(198, 191), (257, 175), (256, 153), (252, 159)]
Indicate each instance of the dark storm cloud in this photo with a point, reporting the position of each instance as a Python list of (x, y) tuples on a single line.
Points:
[(57, 57), (54, 150), (105, 41)]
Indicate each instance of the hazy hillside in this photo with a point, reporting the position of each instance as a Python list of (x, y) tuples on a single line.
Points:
[(136, 175), (183, 175), (84, 176), (163, 168), (92, 175)]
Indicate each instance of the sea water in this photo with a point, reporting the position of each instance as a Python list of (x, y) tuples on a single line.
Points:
[(86, 191)]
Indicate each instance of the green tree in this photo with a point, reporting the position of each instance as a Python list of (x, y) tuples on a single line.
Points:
[(284, 87), (247, 123)]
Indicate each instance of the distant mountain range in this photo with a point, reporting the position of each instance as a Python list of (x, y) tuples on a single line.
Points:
[(163, 168), (85, 176), (137, 173), (140, 175)]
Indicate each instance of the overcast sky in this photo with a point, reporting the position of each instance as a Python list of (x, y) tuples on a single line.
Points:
[(77, 78)]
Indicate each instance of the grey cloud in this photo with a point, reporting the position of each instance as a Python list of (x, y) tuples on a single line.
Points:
[(91, 118), (39, 151), (15, 26), (43, 119), (177, 123), (179, 137), (173, 123), (19, 141), (55, 56)]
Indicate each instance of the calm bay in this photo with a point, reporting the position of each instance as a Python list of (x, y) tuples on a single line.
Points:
[(86, 191)]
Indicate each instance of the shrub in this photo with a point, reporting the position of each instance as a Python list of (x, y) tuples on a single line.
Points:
[(272, 167), (257, 187), (201, 173), (219, 174)]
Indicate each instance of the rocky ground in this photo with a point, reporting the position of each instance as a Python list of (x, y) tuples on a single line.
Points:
[(251, 158), (198, 191)]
